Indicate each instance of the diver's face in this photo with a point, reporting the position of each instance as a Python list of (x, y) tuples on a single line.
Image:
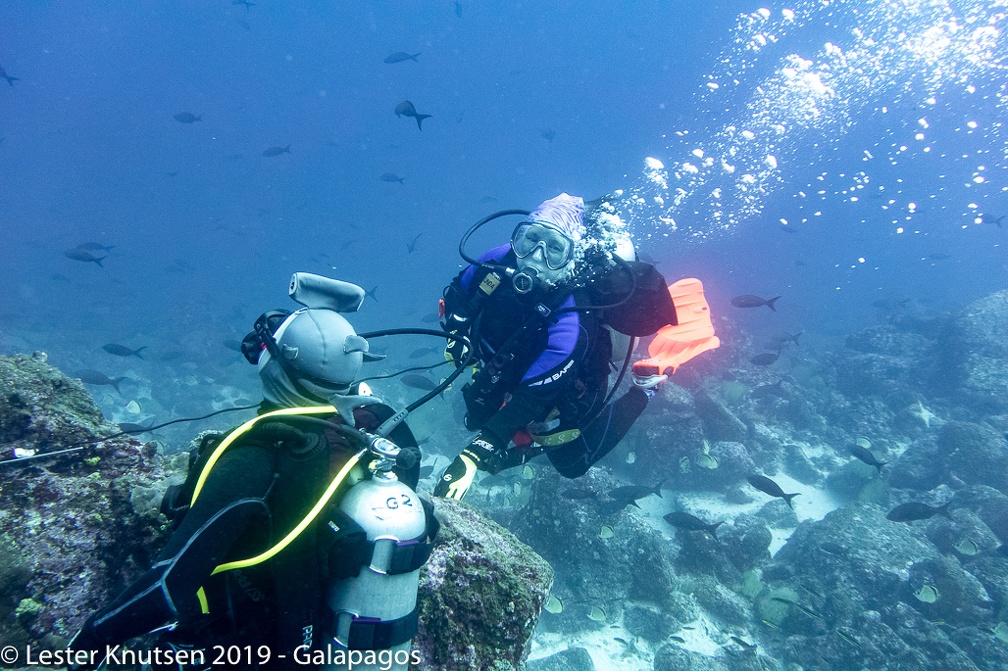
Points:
[(543, 252), (535, 265)]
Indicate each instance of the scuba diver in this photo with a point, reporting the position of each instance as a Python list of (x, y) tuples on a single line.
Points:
[(543, 313), (298, 536)]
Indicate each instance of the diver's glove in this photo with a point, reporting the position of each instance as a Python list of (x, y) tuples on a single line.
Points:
[(481, 455)]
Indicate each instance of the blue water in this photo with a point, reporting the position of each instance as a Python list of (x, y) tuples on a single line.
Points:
[(840, 154)]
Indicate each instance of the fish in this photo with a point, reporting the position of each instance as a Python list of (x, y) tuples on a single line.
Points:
[(371, 293), (9, 78), (418, 382), (745, 645), (95, 247), (985, 218), (847, 637), (406, 108), (130, 427), (750, 301), (865, 455), (248, 5), (687, 522), (912, 511), (939, 256), (89, 376), (392, 177), (401, 57), (606, 532), (547, 134), (411, 246), (85, 256), (487, 199), (927, 594), (553, 605), (133, 408), (528, 473), (276, 151), (768, 486), (122, 350), (707, 461), (804, 609), (782, 339), (677, 639), (597, 613), (423, 351), (765, 359), (629, 494), (425, 471), (458, 9), (967, 548), (187, 117), (232, 344)]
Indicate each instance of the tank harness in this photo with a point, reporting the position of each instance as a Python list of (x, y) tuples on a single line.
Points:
[(349, 550)]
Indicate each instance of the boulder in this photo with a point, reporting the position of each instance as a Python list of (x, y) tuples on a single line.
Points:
[(76, 527), (481, 594)]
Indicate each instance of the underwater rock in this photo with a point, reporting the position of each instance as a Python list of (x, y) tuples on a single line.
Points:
[(70, 519), (974, 454), (41, 408), (650, 622), (959, 596), (886, 361), (977, 355), (719, 421), (851, 570), (481, 594), (571, 659), (630, 563), (747, 543), (920, 467), (662, 437)]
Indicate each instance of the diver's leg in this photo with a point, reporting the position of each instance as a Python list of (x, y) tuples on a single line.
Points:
[(573, 459)]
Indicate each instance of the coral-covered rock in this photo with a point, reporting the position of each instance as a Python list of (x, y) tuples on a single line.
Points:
[(977, 354), (480, 595), (71, 519)]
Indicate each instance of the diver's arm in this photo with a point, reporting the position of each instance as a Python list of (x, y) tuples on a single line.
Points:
[(166, 594)]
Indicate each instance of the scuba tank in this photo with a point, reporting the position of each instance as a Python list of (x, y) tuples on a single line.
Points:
[(376, 609)]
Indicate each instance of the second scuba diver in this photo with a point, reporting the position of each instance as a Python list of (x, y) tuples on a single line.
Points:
[(543, 313), (299, 534)]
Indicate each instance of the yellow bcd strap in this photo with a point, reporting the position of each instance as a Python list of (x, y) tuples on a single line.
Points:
[(308, 518)]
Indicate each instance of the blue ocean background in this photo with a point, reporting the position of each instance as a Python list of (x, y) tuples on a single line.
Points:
[(848, 156)]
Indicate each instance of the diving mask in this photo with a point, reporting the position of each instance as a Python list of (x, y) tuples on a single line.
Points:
[(557, 248)]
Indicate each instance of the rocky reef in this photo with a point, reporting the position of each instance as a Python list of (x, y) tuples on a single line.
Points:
[(836, 582), (77, 527)]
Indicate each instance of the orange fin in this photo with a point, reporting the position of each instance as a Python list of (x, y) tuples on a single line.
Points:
[(694, 334)]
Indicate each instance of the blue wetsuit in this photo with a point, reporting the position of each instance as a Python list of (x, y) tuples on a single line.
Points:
[(561, 362)]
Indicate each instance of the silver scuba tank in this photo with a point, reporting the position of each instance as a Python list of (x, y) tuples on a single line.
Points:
[(390, 513)]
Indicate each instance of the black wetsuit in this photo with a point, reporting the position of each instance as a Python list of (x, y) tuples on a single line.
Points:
[(258, 490), (561, 362)]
